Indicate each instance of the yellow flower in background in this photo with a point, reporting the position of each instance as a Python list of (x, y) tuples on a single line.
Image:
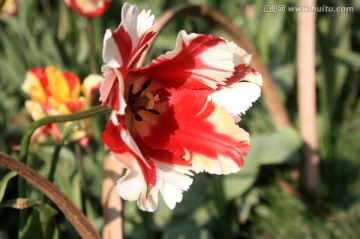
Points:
[(53, 92), (9, 7)]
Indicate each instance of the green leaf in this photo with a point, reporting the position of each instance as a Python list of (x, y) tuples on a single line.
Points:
[(238, 183), (40, 220), (186, 230), (249, 200), (32, 227), (21, 203), (4, 181), (275, 148), (349, 57), (278, 147), (284, 76)]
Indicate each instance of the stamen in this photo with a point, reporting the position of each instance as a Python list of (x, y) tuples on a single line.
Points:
[(146, 85), (130, 90), (152, 100), (138, 117), (142, 100), (155, 112), (150, 104), (138, 93), (141, 108), (149, 95)]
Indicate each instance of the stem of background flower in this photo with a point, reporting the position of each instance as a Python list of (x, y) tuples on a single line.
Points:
[(93, 63), (25, 142), (80, 169), (80, 165), (147, 222), (46, 9), (224, 226), (55, 157), (54, 161)]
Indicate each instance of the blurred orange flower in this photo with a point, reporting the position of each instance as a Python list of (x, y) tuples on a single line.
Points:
[(53, 92), (88, 8)]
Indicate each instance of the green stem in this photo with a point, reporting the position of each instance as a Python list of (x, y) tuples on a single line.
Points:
[(93, 63), (54, 161), (80, 168), (25, 142), (219, 194)]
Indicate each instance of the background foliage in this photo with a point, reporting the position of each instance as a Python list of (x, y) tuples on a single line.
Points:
[(264, 200)]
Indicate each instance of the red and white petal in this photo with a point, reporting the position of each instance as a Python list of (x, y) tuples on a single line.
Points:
[(156, 170), (133, 186), (112, 89), (111, 53), (124, 47), (228, 158), (241, 57), (172, 173), (237, 98), (108, 85), (136, 23), (172, 181), (139, 181), (197, 62)]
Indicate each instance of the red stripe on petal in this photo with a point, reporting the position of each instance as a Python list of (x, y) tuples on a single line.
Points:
[(186, 65), (239, 75), (124, 44), (112, 139), (140, 48), (74, 106), (160, 155), (192, 125), (72, 80), (112, 98), (43, 79)]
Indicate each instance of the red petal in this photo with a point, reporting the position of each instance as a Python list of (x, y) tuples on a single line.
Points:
[(193, 126), (197, 62)]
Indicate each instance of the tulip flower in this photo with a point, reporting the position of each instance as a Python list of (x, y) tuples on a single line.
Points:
[(53, 92), (88, 8), (176, 116)]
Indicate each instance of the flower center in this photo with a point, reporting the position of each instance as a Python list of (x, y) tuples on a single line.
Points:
[(142, 100)]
